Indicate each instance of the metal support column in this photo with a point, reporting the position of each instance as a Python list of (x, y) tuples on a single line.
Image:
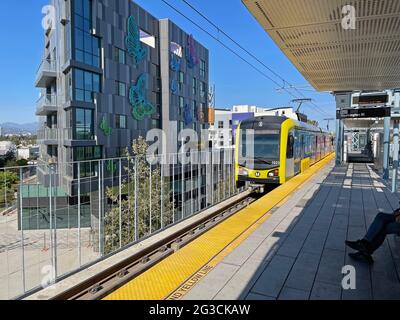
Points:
[(386, 145), (339, 141), (395, 155)]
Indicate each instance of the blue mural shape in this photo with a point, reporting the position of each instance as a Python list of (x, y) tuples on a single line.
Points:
[(191, 54), (175, 63), (132, 41), (187, 114), (141, 108), (174, 86)]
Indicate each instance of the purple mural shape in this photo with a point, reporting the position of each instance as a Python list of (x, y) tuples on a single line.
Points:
[(191, 54)]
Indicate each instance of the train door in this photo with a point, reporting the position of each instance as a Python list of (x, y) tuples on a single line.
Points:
[(318, 153), (290, 151), (297, 152)]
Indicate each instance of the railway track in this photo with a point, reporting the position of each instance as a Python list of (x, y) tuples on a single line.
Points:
[(109, 280)]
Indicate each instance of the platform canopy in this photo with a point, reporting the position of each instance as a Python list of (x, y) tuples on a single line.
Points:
[(330, 57)]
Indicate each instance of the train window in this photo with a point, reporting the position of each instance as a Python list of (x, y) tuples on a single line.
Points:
[(290, 147)]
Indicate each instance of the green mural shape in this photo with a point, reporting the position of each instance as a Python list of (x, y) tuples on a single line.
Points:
[(111, 166), (104, 126), (141, 108)]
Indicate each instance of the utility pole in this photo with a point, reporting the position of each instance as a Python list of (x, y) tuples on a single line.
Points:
[(329, 120)]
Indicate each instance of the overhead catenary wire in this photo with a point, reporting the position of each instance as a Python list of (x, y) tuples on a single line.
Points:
[(221, 31)]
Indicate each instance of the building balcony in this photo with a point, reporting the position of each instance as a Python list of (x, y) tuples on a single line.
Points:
[(46, 104), (48, 136), (47, 73), (78, 139)]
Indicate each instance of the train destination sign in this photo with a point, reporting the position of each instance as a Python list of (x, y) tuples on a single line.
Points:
[(362, 113)]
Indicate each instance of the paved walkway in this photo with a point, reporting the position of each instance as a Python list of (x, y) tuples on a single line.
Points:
[(299, 252)]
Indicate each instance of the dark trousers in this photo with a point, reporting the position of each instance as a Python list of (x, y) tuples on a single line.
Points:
[(383, 225)]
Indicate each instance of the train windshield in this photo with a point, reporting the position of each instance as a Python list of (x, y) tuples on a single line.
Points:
[(259, 149)]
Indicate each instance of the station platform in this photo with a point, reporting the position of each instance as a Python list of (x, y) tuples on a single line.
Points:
[(299, 252), (287, 245)]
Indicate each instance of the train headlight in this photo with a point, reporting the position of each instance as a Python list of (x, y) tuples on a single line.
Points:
[(274, 173), (243, 172)]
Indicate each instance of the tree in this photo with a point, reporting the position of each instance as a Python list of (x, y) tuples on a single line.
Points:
[(8, 181), (140, 192)]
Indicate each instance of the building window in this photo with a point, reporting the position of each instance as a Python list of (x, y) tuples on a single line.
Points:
[(120, 122), (220, 124), (155, 124), (194, 109), (176, 49), (181, 102), (85, 156), (86, 83), (147, 39), (119, 55), (83, 124), (194, 86), (181, 80), (202, 68), (121, 152), (230, 123), (87, 46), (202, 89), (120, 88)]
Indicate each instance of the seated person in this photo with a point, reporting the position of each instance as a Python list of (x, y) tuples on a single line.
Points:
[(383, 225)]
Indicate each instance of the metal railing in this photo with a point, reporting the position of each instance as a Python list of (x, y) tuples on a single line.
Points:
[(47, 65), (47, 100), (63, 224), (47, 134)]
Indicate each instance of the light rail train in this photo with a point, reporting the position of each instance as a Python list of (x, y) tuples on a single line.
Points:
[(272, 150)]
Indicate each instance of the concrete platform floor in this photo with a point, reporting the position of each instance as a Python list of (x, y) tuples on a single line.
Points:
[(299, 252)]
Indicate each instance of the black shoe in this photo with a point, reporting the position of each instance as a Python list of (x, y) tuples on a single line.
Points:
[(359, 245), (360, 256)]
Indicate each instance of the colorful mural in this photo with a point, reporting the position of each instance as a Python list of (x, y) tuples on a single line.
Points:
[(104, 126), (141, 108), (175, 63), (111, 166), (188, 115), (191, 54), (174, 86), (132, 41)]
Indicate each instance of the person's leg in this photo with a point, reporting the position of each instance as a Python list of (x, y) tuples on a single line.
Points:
[(390, 228), (378, 226), (375, 235)]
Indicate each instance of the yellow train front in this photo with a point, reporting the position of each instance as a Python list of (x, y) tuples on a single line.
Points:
[(272, 150)]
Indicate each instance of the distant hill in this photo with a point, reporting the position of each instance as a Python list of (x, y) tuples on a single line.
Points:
[(16, 128)]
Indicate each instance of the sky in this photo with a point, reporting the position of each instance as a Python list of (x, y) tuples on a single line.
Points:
[(235, 81)]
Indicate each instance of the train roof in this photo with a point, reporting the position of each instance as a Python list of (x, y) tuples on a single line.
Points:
[(277, 121)]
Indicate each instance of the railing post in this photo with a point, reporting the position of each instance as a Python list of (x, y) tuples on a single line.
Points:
[(199, 180), (120, 203), (173, 188), (136, 202), (79, 215), (100, 215), (162, 195), (21, 178), (151, 199)]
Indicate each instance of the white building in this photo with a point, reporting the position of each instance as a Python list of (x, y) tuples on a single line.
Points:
[(279, 112), (220, 132), (29, 152)]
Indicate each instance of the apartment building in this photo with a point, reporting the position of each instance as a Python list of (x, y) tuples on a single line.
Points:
[(111, 72)]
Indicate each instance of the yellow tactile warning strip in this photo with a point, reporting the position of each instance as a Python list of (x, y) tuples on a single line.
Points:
[(173, 277)]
